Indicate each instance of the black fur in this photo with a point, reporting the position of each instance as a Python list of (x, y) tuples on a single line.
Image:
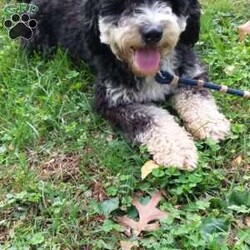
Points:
[(73, 25)]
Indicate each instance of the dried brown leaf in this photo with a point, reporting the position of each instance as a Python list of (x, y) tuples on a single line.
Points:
[(147, 213), (244, 30), (98, 191), (147, 168), (238, 161)]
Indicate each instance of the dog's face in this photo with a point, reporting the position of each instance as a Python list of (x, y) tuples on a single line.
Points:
[(141, 32)]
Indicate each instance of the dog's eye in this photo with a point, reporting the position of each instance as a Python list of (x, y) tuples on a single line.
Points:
[(137, 11)]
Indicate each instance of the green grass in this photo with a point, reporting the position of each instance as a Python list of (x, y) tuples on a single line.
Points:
[(59, 161)]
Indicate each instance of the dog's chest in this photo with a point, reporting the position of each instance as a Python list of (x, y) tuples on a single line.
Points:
[(154, 91)]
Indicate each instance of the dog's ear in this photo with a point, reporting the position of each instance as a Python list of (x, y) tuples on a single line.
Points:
[(111, 7), (191, 34)]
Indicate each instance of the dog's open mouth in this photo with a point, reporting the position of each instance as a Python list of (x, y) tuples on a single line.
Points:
[(147, 60)]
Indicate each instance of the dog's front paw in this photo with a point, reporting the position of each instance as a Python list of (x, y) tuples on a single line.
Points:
[(180, 156), (201, 115), (216, 127), (171, 146)]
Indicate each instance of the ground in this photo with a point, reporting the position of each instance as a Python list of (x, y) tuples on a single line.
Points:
[(65, 173)]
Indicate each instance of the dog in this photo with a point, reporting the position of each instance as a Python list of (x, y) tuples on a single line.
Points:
[(127, 42)]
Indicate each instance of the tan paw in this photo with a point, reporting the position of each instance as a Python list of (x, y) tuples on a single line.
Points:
[(182, 158), (168, 143), (176, 149), (216, 127)]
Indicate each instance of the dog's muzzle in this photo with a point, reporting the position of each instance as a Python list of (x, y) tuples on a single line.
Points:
[(147, 58), (151, 35)]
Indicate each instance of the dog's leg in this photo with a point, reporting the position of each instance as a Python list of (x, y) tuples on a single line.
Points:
[(200, 113), (155, 128)]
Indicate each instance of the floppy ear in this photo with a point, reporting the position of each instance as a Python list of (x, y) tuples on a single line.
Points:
[(191, 34)]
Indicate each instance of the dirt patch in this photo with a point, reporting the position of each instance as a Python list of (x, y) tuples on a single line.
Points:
[(4, 234), (98, 191), (60, 166)]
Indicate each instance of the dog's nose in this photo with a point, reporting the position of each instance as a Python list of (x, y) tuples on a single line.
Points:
[(152, 35)]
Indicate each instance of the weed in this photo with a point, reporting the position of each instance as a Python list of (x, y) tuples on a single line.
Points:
[(65, 173)]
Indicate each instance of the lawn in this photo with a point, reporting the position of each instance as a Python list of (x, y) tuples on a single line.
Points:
[(66, 174)]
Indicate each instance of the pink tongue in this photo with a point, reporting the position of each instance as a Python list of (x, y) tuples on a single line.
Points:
[(147, 60)]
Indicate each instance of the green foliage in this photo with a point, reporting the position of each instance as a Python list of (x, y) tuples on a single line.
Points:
[(52, 202), (109, 206)]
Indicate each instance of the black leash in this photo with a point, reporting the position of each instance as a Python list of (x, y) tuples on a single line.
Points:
[(164, 77)]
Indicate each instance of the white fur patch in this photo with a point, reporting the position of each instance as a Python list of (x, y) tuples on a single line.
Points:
[(105, 29), (159, 13), (182, 21)]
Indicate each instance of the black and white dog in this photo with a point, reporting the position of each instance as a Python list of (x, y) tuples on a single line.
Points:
[(128, 42)]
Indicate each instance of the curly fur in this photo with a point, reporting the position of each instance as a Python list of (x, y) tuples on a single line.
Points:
[(106, 34)]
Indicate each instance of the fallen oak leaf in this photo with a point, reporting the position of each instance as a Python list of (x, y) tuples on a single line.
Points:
[(147, 168), (244, 30), (147, 214), (149, 211), (136, 226)]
